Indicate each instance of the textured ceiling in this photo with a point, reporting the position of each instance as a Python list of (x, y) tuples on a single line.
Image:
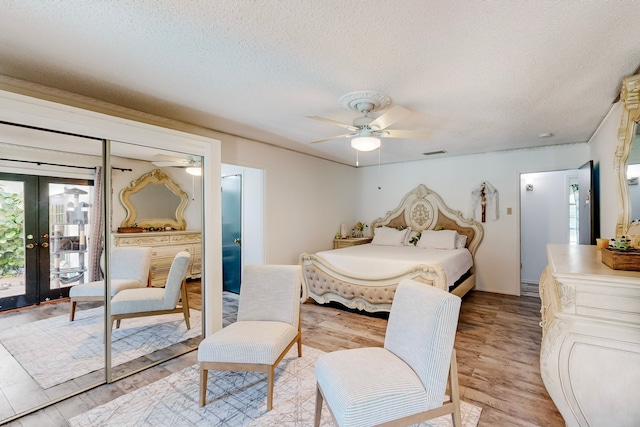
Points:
[(481, 76)]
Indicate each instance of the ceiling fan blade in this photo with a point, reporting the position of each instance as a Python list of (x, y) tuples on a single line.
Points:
[(346, 135), (334, 122), (395, 114), (166, 158), (167, 164), (162, 160), (406, 134)]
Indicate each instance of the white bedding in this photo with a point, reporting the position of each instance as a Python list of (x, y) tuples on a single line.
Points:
[(375, 261)]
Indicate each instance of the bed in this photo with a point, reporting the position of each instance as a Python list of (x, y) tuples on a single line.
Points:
[(365, 277)]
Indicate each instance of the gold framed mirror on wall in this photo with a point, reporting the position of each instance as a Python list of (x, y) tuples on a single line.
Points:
[(154, 201), (627, 160)]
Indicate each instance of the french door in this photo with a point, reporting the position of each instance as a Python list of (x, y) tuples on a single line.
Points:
[(44, 224)]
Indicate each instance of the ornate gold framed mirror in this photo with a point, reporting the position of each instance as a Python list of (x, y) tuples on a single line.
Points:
[(627, 155), (154, 201)]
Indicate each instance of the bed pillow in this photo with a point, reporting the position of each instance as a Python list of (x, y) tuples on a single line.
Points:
[(387, 236), (443, 239), (461, 241)]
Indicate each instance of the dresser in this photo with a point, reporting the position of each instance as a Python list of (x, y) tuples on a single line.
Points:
[(590, 352), (166, 244)]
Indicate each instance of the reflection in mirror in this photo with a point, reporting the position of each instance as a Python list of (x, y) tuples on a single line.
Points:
[(633, 176), (626, 155), (48, 229), (153, 199), (143, 200)]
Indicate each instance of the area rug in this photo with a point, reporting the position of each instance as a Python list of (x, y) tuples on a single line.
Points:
[(233, 399), (56, 350)]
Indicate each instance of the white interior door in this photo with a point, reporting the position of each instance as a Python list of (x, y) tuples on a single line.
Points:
[(544, 218)]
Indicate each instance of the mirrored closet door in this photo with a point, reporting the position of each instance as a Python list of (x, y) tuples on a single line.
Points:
[(53, 318), (49, 240), (156, 215)]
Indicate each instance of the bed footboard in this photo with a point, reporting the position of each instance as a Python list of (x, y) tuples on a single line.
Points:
[(324, 283)]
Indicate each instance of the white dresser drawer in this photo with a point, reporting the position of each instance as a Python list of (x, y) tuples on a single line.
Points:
[(169, 251)]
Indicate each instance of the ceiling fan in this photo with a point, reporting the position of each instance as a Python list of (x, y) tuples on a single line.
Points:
[(192, 164), (366, 131)]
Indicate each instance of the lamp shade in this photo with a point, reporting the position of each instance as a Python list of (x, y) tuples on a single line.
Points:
[(365, 143)]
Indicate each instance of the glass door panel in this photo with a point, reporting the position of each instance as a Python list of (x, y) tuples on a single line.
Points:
[(231, 232), (68, 225), (18, 262)]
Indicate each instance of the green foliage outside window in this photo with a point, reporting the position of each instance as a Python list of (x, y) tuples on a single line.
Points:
[(11, 234)]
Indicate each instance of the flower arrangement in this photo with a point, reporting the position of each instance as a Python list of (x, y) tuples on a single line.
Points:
[(358, 229)]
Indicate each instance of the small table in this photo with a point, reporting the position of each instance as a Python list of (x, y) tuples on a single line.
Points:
[(350, 241)]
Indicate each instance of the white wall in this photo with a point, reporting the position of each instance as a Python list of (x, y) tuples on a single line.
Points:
[(498, 257), (602, 147), (306, 199)]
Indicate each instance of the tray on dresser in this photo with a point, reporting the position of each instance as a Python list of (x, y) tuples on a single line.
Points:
[(628, 260)]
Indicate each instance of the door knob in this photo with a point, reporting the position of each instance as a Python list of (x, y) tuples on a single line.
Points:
[(45, 244), (237, 240), (31, 245)]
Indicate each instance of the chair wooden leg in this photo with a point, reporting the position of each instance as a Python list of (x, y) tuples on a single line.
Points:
[(203, 386), (270, 375), (299, 336), (72, 313), (118, 324), (455, 390), (185, 303), (318, 413)]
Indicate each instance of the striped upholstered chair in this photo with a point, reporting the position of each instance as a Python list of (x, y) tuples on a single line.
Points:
[(267, 326), (403, 383), (129, 270), (149, 301)]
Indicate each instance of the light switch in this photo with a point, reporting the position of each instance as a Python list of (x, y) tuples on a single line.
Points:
[(508, 211)]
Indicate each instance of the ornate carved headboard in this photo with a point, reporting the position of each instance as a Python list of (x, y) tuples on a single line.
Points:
[(422, 209)]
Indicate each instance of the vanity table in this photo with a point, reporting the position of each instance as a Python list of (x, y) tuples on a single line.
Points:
[(590, 352)]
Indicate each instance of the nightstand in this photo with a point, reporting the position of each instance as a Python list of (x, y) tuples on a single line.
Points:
[(355, 241)]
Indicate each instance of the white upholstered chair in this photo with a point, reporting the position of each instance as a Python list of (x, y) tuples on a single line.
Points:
[(129, 269), (154, 301), (404, 382), (267, 326)]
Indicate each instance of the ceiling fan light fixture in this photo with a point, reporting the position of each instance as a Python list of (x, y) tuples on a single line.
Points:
[(365, 143), (194, 170)]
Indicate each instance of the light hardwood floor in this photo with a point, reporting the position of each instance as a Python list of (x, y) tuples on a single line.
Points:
[(498, 345)]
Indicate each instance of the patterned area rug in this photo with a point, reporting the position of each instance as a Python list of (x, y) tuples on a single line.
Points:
[(233, 399), (56, 350)]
